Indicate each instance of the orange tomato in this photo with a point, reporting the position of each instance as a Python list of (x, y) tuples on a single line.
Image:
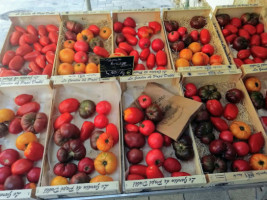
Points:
[(181, 62), (91, 68), (66, 55), (195, 47), (69, 44), (104, 142), (258, 161), (24, 139), (105, 163), (240, 130), (79, 68), (253, 84), (86, 35), (101, 178), (215, 59), (105, 32), (59, 180), (6, 115), (186, 54), (65, 69)]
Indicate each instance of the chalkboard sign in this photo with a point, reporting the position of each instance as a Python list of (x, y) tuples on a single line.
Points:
[(116, 66)]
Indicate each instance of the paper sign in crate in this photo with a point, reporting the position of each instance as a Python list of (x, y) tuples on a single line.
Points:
[(259, 71), (183, 18), (235, 11), (100, 19), (95, 91), (142, 18), (41, 94), (247, 114), (132, 87), (23, 20)]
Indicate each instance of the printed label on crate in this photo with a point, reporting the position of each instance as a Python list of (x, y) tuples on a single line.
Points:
[(255, 68), (164, 182), (139, 10), (210, 73), (116, 66), (16, 14), (16, 194), (148, 72), (206, 68), (79, 78), (24, 80), (79, 189), (161, 75)]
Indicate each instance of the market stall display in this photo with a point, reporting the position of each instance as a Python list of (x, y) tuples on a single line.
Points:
[(30, 45)]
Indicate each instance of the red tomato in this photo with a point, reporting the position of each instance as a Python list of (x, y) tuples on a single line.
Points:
[(131, 128), (50, 56), (81, 46), (8, 157), (95, 29), (103, 107), (14, 38), (144, 54), (167, 141), (136, 56), (4, 173), (37, 46), (144, 101), (35, 68), (42, 30), (28, 107), (32, 30), (51, 27), (230, 111), (21, 166), (155, 26), (153, 171), (194, 35), (226, 136), (172, 165), (134, 177), (139, 67), (40, 61), (173, 36), (53, 36), (62, 119), (155, 140), (101, 121), (117, 27), (86, 165), (113, 131), (182, 31), (240, 165), (138, 169), (80, 57), (256, 142), (242, 148), (178, 174), (86, 130), (157, 44), (147, 127), (68, 105), (214, 107), (155, 157), (44, 40), (190, 90), (34, 175), (144, 43), (204, 36), (8, 57), (133, 115)]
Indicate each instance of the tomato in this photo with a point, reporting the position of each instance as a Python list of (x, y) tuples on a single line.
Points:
[(155, 157), (136, 56), (119, 50), (214, 107), (178, 174), (28, 107), (260, 28), (155, 140), (144, 54), (42, 30), (14, 38), (157, 44), (30, 39), (81, 46), (161, 58), (35, 68), (226, 136), (230, 111), (134, 177), (86, 130), (31, 56), (155, 26), (167, 141), (23, 50), (86, 165), (34, 175), (130, 39), (173, 36), (126, 47), (32, 30), (240, 165), (95, 29), (100, 51), (21, 166), (139, 67), (190, 90), (219, 123), (53, 36), (48, 70), (255, 40), (62, 119), (133, 115), (117, 27), (129, 22), (204, 36), (242, 148), (153, 171), (128, 30), (14, 126), (40, 61), (144, 43), (50, 56), (50, 47), (258, 161), (34, 151), (144, 101), (103, 107), (147, 127), (37, 46), (172, 165), (101, 121), (131, 128), (138, 169), (256, 142), (51, 27), (68, 105), (182, 31), (20, 29), (4, 173), (44, 40), (8, 157), (16, 63), (8, 57), (112, 130), (80, 57), (150, 62)]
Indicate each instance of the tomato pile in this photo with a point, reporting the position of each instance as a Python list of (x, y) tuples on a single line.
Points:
[(30, 121), (70, 140), (83, 48), (194, 48), (126, 42), (253, 86), (246, 35), (140, 126), (236, 141), (36, 46)]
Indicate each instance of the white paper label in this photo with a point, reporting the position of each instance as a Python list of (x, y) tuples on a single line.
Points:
[(255, 68), (16, 194), (88, 188), (16, 14), (79, 78), (206, 68), (24, 80)]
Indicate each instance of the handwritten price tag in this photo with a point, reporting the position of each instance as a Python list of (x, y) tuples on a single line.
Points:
[(24, 80), (16, 194), (157, 75), (79, 78)]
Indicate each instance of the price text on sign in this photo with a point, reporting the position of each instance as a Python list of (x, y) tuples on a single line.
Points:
[(116, 66)]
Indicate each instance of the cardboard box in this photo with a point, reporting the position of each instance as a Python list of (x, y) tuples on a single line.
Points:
[(183, 17), (142, 18), (96, 92), (130, 92), (247, 114), (41, 94)]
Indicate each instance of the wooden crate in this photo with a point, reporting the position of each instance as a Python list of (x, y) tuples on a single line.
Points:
[(142, 18), (236, 11), (131, 89), (224, 82), (41, 94), (183, 17), (96, 92), (86, 19), (259, 72), (24, 19)]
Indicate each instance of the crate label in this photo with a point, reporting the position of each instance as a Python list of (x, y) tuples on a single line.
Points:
[(16, 194), (256, 176), (150, 76), (91, 188), (116, 66), (148, 72), (16, 14), (24, 80), (237, 6), (79, 78), (139, 10), (206, 68), (165, 182), (211, 73), (255, 68)]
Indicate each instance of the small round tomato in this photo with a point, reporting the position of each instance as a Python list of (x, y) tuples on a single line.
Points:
[(226, 136), (95, 29), (81, 46), (131, 128), (190, 90), (101, 121), (155, 157), (172, 165), (241, 148), (173, 36), (103, 107), (86, 165), (147, 127), (155, 140), (69, 44), (144, 101)]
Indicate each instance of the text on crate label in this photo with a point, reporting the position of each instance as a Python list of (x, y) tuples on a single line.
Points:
[(11, 194)]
